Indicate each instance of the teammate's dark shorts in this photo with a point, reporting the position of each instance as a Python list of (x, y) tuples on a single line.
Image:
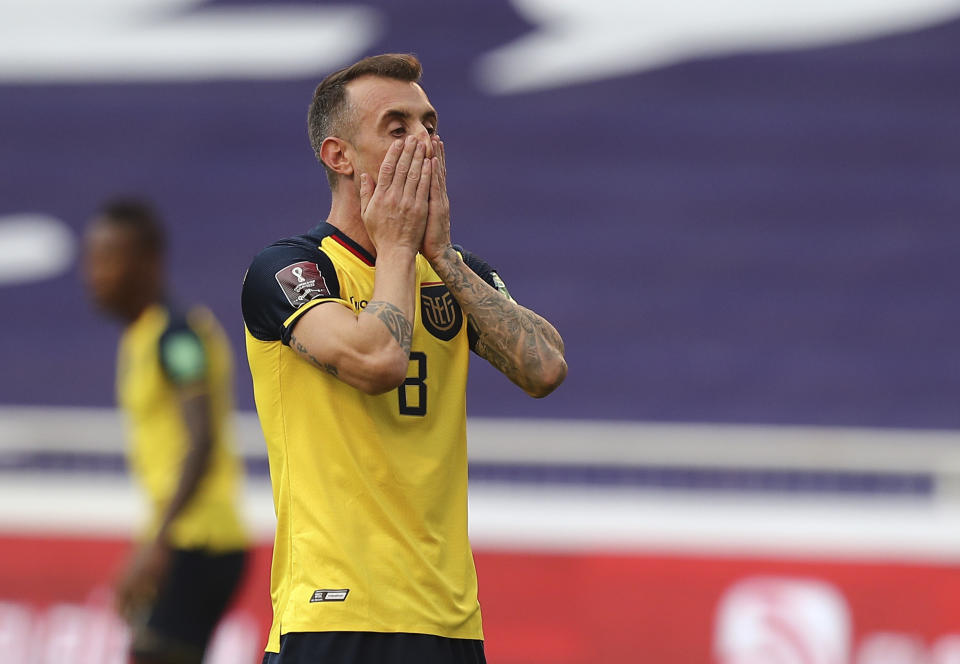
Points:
[(197, 588), (374, 648)]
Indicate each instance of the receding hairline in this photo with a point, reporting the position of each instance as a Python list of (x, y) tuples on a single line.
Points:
[(351, 107)]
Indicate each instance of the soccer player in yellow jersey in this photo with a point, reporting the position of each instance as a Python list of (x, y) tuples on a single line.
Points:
[(358, 336), (174, 375)]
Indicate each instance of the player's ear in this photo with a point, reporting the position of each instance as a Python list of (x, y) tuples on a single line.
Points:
[(333, 152)]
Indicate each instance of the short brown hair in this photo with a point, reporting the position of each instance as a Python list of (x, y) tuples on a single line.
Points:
[(138, 216), (326, 114)]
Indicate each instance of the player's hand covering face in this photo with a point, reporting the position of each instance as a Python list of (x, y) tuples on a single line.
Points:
[(394, 211), (388, 110), (436, 237)]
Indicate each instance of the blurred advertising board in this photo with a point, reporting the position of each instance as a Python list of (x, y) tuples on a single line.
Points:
[(548, 607)]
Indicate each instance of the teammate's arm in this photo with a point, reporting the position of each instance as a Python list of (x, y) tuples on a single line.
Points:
[(371, 350), (195, 410), (184, 361), (518, 342)]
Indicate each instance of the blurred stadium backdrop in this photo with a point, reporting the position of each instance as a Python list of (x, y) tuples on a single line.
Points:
[(742, 216)]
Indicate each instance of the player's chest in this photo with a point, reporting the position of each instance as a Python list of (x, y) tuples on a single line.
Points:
[(140, 382)]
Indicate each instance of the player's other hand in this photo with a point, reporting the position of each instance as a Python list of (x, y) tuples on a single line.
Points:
[(138, 585), (436, 238), (394, 211)]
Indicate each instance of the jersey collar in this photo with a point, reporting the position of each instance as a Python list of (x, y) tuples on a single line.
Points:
[(325, 229)]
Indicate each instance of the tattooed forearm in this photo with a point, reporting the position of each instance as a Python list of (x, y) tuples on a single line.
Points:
[(305, 354), (397, 324), (515, 340), (500, 361)]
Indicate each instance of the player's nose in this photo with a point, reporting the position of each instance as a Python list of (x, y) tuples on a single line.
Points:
[(424, 137)]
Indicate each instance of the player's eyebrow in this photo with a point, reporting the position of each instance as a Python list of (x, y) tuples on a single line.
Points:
[(404, 114)]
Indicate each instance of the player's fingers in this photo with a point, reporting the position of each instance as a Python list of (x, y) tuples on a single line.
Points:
[(442, 154), (366, 191), (413, 175), (436, 190), (425, 183), (389, 165), (441, 169), (403, 163)]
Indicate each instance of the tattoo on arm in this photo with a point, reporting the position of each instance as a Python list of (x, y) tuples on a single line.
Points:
[(397, 324), (515, 340), (305, 353)]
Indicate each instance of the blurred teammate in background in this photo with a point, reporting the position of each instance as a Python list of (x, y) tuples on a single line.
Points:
[(358, 335), (174, 372)]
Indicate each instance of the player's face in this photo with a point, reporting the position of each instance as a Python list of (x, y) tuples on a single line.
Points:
[(112, 266), (385, 109)]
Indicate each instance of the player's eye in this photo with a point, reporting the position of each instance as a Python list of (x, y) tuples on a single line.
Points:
[(398, 131), (431, 130)]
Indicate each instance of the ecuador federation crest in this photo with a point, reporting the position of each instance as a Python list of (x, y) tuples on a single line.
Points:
[(440, 313)]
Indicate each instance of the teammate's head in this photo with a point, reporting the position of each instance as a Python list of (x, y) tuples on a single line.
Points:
[(352, 108), (124, 250)]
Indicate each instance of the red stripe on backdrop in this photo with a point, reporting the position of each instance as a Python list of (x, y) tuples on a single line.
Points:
[(575, 609), (42, 570), (544, 608)]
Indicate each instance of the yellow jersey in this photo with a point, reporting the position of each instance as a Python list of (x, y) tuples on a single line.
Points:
[(370, 491), (159, 352)]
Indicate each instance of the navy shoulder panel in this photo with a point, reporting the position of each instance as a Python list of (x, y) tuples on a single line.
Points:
[(282, 278), (181, 352)]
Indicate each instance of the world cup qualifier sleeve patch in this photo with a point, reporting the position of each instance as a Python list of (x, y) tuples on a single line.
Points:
[(302, 282)]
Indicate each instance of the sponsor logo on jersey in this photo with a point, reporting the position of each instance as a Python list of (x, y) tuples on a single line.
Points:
[(302, 282), (440, 313), (329, 595)]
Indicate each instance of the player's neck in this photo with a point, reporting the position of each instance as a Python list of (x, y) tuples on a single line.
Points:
[(135, 308), (345, 215)]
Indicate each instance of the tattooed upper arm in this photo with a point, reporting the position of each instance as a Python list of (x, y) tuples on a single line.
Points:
[(305, 353), (396, 322), (370, 353)]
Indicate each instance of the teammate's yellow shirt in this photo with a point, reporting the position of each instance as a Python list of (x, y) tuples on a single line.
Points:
[(158, 352), (370, 491)]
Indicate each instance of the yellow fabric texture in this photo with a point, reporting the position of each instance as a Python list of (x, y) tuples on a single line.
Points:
[(158, 437), (369, 499)]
